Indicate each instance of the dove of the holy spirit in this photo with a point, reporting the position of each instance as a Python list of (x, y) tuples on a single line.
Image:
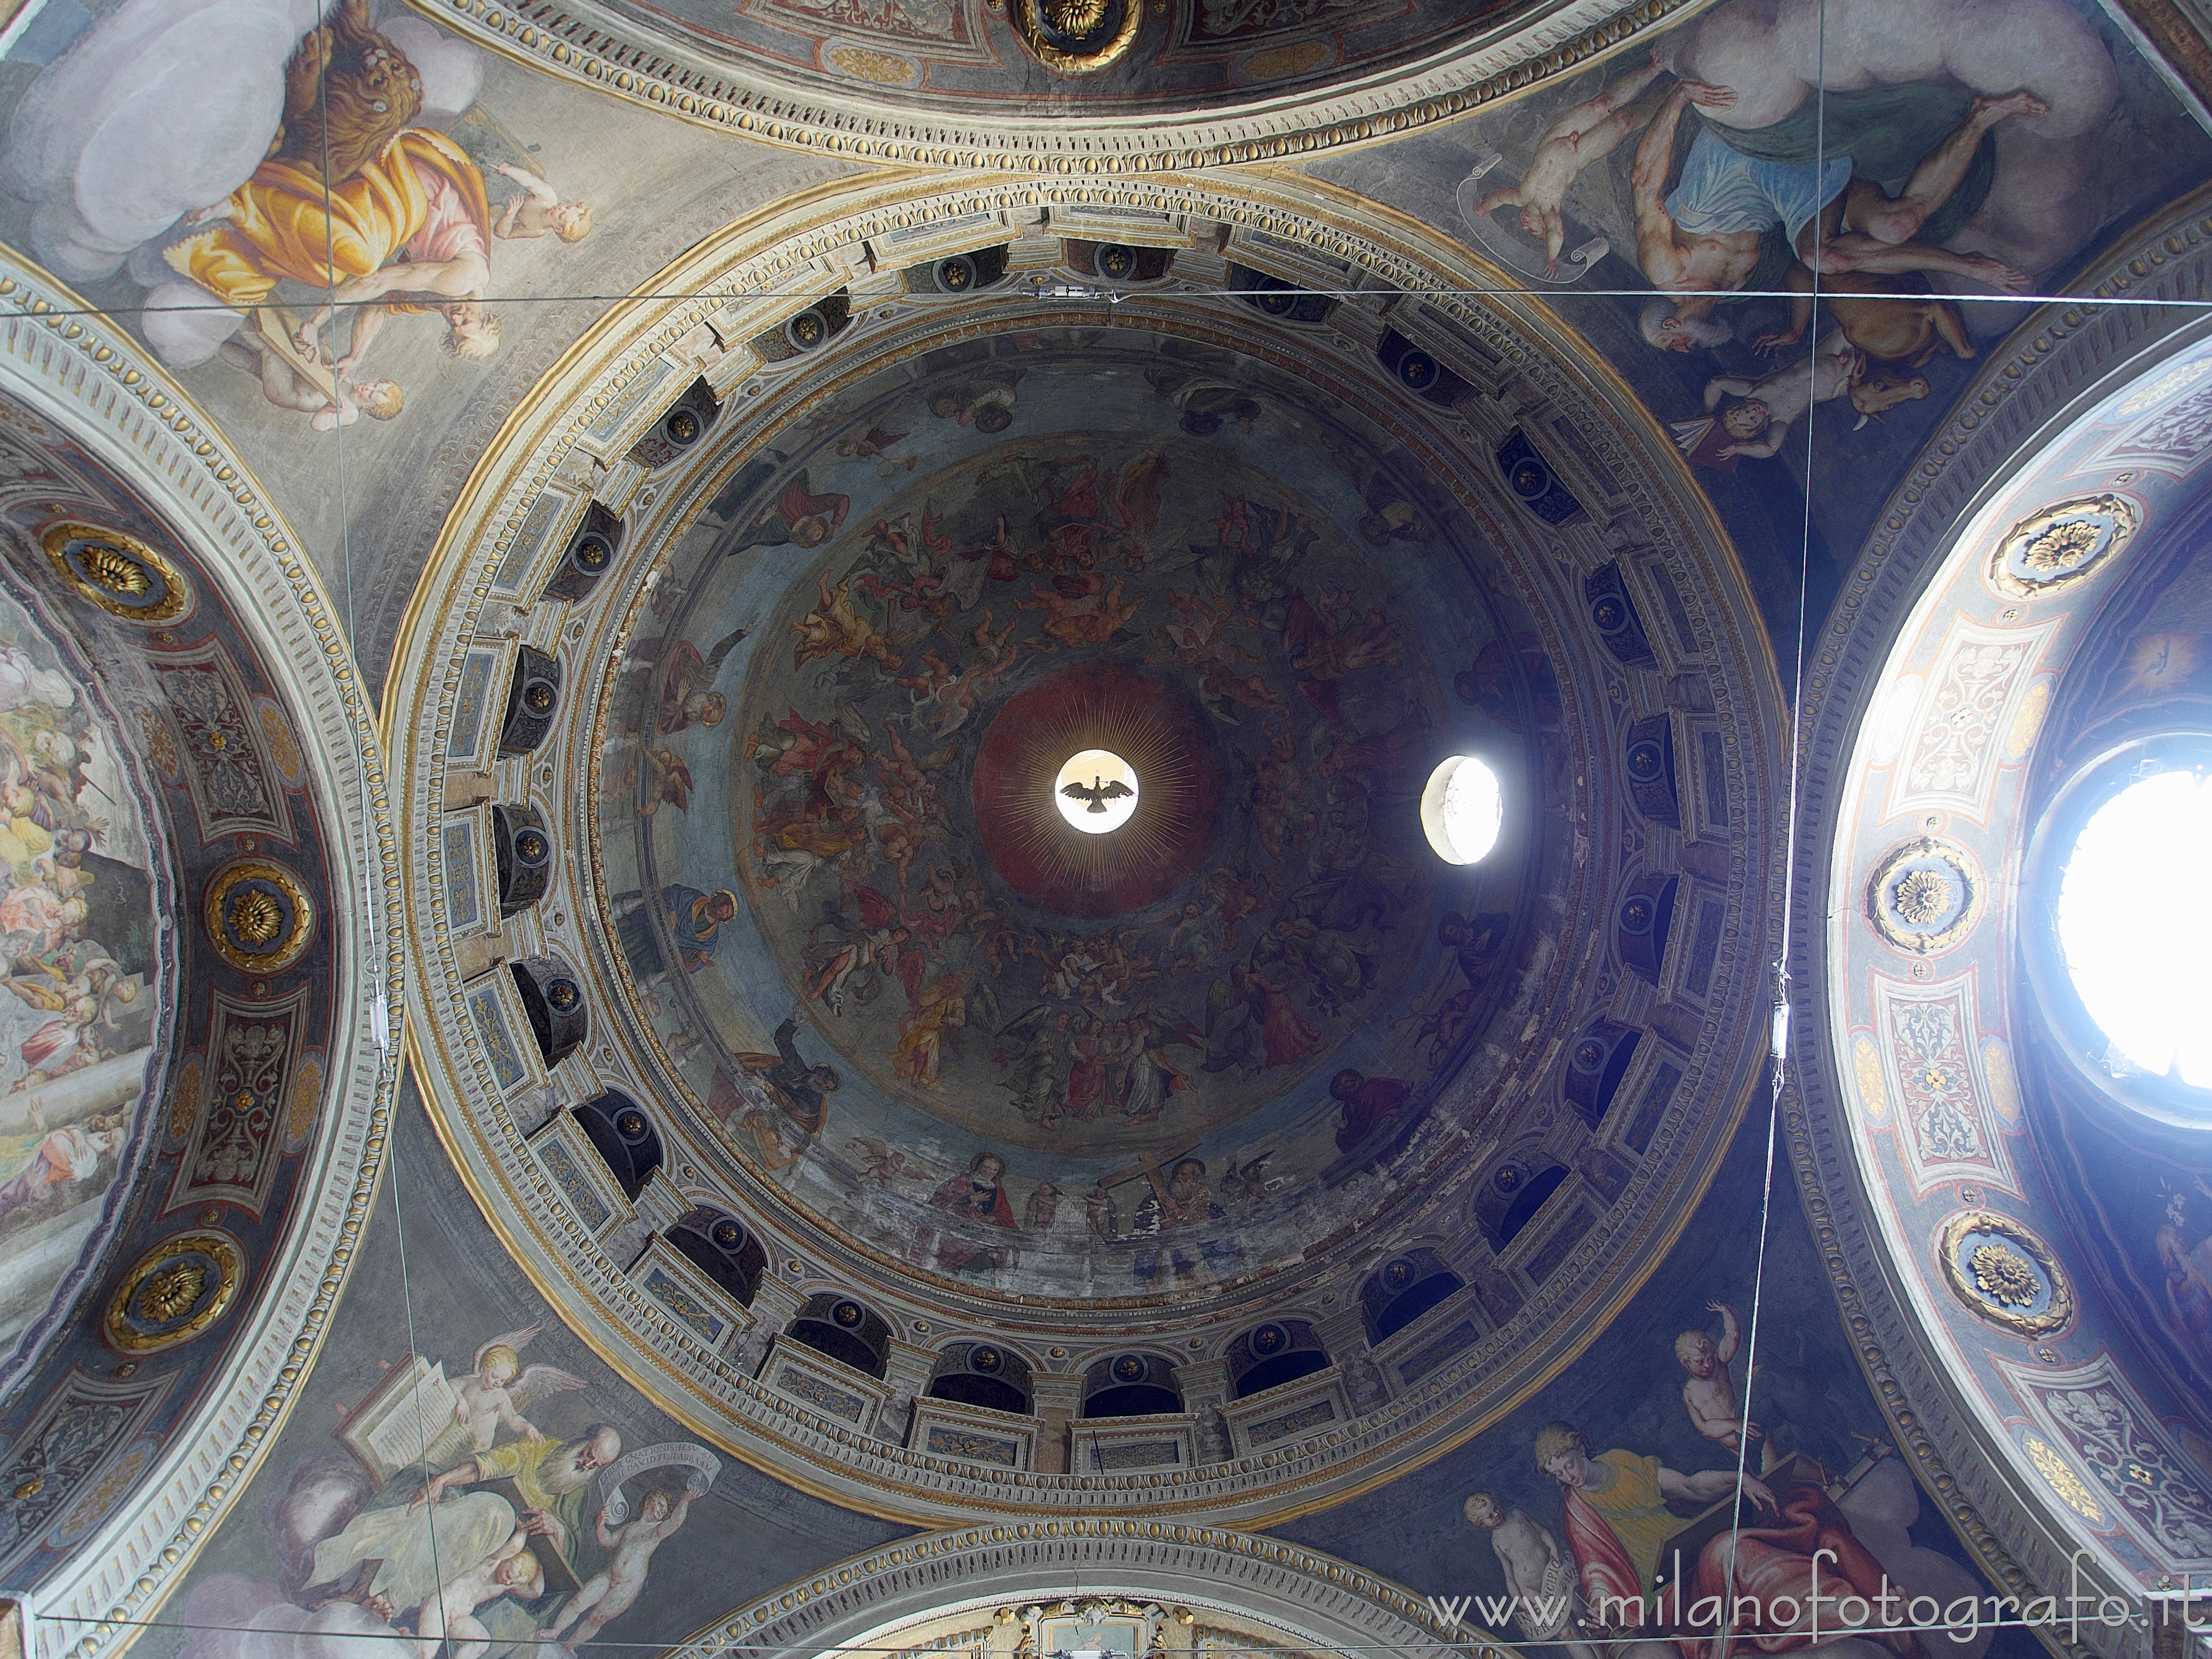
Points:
[(1095, 791)]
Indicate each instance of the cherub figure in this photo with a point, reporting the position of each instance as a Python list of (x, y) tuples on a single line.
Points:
[(1588, 132), (610, 1592), (450, 1612), (539, 210), (834, 629), (494, 1394), (1710, 1393), (285, 386), (878, 1163), (1765, 410), (1537, 1573)]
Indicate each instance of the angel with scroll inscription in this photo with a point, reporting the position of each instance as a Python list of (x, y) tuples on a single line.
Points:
[(494, 1395)]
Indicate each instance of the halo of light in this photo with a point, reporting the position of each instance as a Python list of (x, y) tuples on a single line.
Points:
[(1095, 768), (2134, 912), (1463, 810)]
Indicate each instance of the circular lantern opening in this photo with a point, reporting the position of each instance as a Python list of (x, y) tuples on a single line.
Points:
[(1463, 810), (2134, 912), (1095, 791)]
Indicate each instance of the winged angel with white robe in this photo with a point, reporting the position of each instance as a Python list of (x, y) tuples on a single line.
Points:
[(495, 1394)]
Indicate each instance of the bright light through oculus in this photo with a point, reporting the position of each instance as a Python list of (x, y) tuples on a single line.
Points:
[(1461, 809), (2134, 913), (1095, 791)]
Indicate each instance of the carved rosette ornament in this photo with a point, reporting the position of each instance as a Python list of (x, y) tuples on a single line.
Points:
[(173, 1292), (1925, 895), (2004, 1272), (259, 917), (1077, 36), (117, 572), (2060, 544)]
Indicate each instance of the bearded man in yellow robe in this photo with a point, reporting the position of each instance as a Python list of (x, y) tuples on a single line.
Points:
[(419, 197)]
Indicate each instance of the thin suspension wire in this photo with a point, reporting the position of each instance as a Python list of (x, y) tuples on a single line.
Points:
[(1067, 291), (380, 1012), (1779, 1030)]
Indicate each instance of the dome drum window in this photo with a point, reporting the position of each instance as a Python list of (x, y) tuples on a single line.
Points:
[(1417, 369), (1270, 1355), (624, 1138), (1131, 1385), (589, 555), (1117, 262), (1271, 296), (553, 998), (1512, 1194), (846, 1331), (533, 699), (1596, 1065), (686, 422), (523, 851), (958, 273), (724, 1249), (987, 1374), (1612, 614), (1649, 756), (1401, 1290), (1643, 922)]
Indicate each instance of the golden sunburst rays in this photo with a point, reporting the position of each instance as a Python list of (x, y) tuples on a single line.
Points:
[(1158, 832)]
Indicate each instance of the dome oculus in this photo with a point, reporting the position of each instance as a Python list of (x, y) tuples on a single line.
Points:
[(2141, 968), (1095, 791)]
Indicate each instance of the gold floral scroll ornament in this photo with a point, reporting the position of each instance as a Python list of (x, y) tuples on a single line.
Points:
[(259, 917), (2001, 1269), (1077, 36), (117, 572), (173, 1292)]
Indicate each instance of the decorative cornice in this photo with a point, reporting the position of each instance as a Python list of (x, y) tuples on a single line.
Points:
[(2056, 364), (1321, 1603), (750, 277), (578, 42), (97, 383)]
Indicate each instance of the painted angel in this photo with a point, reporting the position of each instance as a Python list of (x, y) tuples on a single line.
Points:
[(494, 1395)]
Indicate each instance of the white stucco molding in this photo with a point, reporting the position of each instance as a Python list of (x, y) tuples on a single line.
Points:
[(585, 45), (2055, 367), (754, 273), (1310, 1601), (98, 383)]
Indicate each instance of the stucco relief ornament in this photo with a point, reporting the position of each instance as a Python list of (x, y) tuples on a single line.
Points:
[(259, 917), (2069, 1486), (2060, 544), (1925, 895), (2005, 1273), (117, 572), (1077, 36), (173, 1292)]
